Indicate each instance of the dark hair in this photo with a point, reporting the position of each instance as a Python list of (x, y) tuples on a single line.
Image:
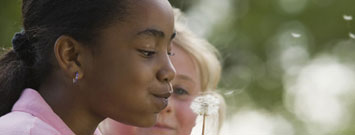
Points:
[(44, 21)]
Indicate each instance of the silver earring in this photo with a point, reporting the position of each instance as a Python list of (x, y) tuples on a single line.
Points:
[(75, 79)]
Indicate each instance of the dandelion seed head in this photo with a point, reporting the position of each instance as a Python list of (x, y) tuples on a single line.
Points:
[(205, 104), (348, 17)]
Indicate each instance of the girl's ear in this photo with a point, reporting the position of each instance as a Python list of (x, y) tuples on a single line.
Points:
[(69, 53)]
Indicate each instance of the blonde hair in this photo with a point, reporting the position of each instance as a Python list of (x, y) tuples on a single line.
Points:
[(205, 54), (206, 58)]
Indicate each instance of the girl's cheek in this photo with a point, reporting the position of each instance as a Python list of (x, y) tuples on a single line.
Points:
[(185, 116)]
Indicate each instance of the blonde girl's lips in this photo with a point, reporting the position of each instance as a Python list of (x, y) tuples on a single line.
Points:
[(163, 129), (159, 125)]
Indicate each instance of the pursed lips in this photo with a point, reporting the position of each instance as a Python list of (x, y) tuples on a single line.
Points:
[(163, 126), (165, 94), (160, 99)]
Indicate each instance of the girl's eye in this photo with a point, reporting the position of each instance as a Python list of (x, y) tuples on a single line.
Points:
[(147, 53), (180, 91), (171, 53)]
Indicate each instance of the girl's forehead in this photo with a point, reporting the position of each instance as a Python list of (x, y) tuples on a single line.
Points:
[(185, 65), (149, 14)]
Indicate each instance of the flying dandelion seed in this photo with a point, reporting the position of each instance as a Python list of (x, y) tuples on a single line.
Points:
[(229, 93), (351, 35), (296, 35), (348, 17)]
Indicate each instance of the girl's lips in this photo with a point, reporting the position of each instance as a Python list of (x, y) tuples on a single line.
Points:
[(163, 129), (160, 102), (160, 98), (163, 94)]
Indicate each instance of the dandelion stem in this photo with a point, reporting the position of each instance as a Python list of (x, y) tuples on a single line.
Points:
[(203, 124)]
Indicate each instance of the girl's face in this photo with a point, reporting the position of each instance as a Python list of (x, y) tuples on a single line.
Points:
[(127, 79), (177, 118)]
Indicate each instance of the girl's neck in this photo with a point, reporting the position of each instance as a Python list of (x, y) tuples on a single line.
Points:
[(70, 106)]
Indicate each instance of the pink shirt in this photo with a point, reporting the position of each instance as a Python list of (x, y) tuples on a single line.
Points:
[(31, 115)]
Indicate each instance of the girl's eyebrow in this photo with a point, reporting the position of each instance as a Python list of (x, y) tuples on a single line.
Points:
[(186, 78), (155, 33), (152, 32)]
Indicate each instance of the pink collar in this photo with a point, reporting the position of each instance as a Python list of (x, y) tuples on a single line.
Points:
[(32, 102)]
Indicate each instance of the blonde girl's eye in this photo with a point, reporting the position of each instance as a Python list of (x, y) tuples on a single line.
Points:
[(180, 91), (171, 53)]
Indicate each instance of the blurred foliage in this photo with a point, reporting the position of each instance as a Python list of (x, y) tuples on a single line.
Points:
[(248, 41), (10, 20), (244, 40), (183, 4)]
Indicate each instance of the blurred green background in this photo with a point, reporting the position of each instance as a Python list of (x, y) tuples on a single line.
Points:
[(288, 64)]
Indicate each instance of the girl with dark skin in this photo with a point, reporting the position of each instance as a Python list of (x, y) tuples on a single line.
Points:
[(198, 71), (91, 59)]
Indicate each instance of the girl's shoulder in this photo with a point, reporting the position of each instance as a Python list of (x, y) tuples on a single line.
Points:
[(22, 123)]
